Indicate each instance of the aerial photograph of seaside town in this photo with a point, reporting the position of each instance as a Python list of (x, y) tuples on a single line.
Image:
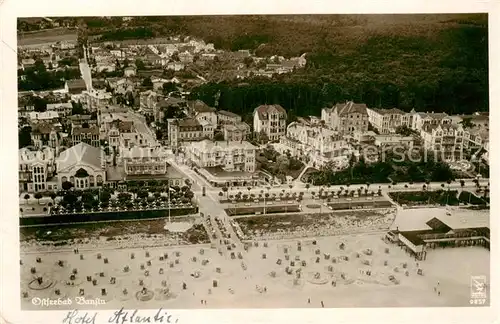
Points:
[(280, 161)]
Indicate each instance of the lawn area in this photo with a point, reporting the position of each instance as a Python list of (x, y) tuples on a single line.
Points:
[(279, 165), (81, 233), (415, 198), (469, 198), (269, 210)]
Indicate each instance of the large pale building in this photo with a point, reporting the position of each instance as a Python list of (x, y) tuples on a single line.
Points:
[(417, 120), (143, 161), (230, 156), (385, 120), (270, 119), (188, 130), (236, 132), (313, 142), (347, 118), (36, 169), (83, 165)]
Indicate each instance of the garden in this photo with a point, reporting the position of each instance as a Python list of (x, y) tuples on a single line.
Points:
[(416, 198), (419, 167), (279, 165), (137, 201)]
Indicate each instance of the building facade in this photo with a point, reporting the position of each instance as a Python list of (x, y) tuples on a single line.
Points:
[(270, 119), (346, 118), (230, 156), (385, 120)]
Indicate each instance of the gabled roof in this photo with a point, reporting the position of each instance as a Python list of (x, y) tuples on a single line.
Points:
[(43, 128), (265, 110), (388, 111), (94, 130), (351, 108), (438, 226), (228, 114), (76, 84), (199, 106), (81, 153), (433, 115)]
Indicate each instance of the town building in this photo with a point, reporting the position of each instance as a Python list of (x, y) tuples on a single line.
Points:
[(227, 117), (43, 117), (129, 71), (95, 99), (385, 120), (347, 118), (393, 140), (417, 120), (271, 120), (82, 165), (36, 169), (236, 132), (184, 130), (311, 141), (202, 111), (76, 86), (230, 156), (45, 134), (89, 135), (62, 109), (186, 57), (143, 161), (148, 100), (447, 140)]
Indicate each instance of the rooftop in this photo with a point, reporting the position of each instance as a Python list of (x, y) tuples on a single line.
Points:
[(228, 114), (265, 110), (199, 106), (207, 145), (81, 153), (388, 111)]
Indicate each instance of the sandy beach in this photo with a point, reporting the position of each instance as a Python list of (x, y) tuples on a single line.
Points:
[(264, 283)]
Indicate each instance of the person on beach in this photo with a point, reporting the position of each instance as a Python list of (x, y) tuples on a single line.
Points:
[(309, 300), (439, 293), (322, 305)]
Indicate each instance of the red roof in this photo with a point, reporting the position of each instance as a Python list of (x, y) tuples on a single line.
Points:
[(265, 110)]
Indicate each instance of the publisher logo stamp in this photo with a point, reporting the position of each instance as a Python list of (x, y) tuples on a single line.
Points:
[(478, 290)]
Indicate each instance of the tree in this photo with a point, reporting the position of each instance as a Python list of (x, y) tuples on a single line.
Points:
[(189, 194), (225, 189), (462, 183), (262, 137), (142, 194), (218, 136), (308, 186), (139, 64), (25, 137), (66, 185), (147, 82), (248, 61), (168, 87), (53, 196), (77, 108), (40, 104), (105, 196), (467, 123), (26, 197)]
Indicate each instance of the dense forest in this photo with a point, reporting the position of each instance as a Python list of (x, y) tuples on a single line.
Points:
[(427, 62)]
